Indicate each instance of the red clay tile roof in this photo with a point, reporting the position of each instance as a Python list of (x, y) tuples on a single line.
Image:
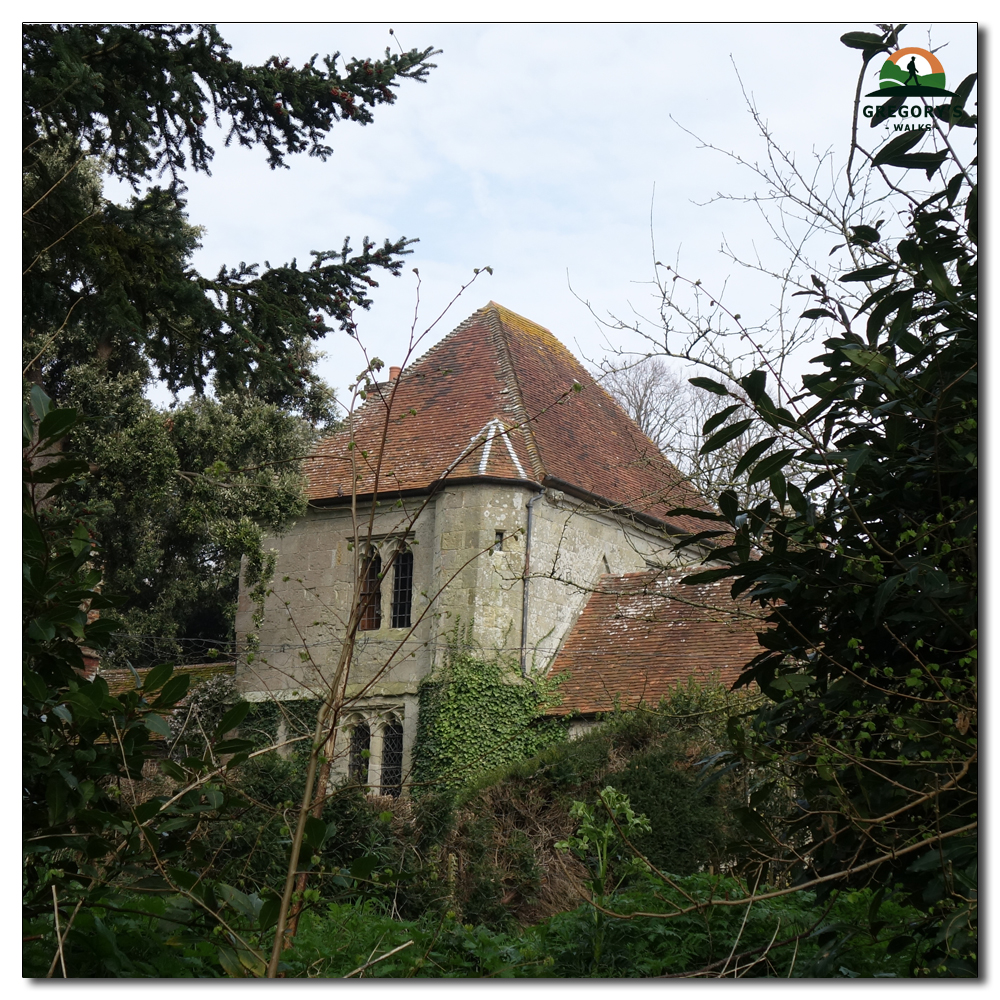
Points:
[(496, 398), (121, 679), (641, 634)]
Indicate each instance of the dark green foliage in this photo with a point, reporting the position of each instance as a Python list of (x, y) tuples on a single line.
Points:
[(501, 826), (136, 94), (269, 722), (96, 815), (689, 825), (123, 939), (71, 748), (249, 846), (869, 578), (111, 302), (180, 497), (138, 97), (334, 943), (249, 849), (145, 937)]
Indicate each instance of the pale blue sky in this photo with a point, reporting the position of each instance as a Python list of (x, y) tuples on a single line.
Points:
[(535, 149)]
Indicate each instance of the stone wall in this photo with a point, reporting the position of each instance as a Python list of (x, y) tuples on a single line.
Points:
[(468, 544), (573, 544)]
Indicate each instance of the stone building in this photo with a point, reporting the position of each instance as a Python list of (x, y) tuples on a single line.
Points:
[(493, 487)]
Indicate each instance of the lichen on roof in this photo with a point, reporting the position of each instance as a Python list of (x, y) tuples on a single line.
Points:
[(498, 368), (640, 634)]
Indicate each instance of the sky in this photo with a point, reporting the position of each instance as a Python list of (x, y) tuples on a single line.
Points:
[(553, 153)]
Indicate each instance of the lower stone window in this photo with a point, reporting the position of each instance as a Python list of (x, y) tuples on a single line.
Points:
[(375, 751), (392, 757), (357, 761)]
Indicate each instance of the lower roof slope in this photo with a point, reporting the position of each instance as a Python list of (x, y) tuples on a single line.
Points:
[(501, 398), (641, 634)]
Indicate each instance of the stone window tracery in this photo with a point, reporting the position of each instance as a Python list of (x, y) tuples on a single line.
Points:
[(392, 757), (371, 592), (402, 589), (374, 745)]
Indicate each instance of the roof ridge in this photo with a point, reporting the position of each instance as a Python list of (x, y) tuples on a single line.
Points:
[(461, 328), (509, 373), (500, 307)]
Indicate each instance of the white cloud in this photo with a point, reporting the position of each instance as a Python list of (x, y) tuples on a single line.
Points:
[(535, 149)]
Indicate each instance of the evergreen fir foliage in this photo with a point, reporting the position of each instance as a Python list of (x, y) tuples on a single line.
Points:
[(111, 301), (149, 511), (114, 282)]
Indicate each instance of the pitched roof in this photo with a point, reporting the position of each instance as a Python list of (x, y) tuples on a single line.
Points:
[(641, 634), (121, 679), (501, 397)]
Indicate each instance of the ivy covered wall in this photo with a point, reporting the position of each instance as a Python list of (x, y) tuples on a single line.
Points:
[(478, 713)]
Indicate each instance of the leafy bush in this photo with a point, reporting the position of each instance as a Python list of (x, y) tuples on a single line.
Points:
[(788, 936), (499, 830), (867, 572), (690, 827), (128, 937)]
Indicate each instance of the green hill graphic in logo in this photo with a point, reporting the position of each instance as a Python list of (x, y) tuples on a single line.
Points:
[(911, 72)]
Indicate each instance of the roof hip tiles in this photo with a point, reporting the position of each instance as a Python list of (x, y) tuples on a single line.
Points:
[(498, 369)]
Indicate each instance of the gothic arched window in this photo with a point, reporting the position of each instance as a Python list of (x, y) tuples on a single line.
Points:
[(357, 761), (392, 757), (371, 593)]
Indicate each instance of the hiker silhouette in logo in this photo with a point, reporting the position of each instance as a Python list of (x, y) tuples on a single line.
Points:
[(911, 68)]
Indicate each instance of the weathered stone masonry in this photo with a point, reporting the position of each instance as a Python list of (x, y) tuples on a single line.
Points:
[(496, 417)]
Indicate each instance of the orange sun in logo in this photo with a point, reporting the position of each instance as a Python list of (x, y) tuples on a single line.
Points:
[(932, 59)]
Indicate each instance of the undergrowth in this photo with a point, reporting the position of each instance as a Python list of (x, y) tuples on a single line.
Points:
[(787, 937)]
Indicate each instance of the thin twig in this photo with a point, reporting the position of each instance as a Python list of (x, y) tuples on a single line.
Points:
[(27, 367), (121, 748), (38, 256), (187, 719), (65, 935), (59, 952), (746, 914), (73, 167), (795, 955), (381, 958), (778, 893)]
